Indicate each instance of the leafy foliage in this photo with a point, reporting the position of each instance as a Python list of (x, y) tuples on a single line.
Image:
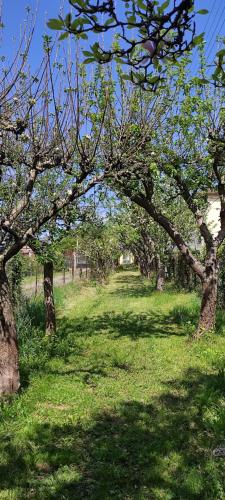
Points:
[(149, 33), (99, 241)]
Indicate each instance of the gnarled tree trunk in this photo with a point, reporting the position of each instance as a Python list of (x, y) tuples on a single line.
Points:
[(50, 318), (160, 275), (9, 357), (207, 317)]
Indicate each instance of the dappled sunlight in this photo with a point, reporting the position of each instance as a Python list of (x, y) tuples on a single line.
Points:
[(121, 405), (126, 324), (138, 449)]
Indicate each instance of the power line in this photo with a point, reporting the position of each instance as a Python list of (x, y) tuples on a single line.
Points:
[(221, 26), (216, 30), (195, 52)]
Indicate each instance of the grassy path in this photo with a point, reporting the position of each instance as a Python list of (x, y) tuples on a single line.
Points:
[(127, 409)]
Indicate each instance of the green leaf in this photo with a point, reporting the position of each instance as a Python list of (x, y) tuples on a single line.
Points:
[(141, 4), (55, 24), (83, 21), (153, 79), (201, 81), (131, 19), (68, 19), (81, 3), (111, 20), (202, 11), (87, 53), (95, 47), (82, 35), (89, 60), (75, 24), (221, 53), (126, 77), (164, 5), (217, 73), (64, 36), (198, 39)]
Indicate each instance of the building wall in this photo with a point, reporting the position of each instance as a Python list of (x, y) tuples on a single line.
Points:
[(213, 214), (126, 258), (27, 251)]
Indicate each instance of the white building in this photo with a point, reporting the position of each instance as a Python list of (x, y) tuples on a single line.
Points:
[(126, 259), (213, 212)]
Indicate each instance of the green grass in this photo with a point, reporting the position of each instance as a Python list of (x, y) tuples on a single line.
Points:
[(30, 280), (123, 406)]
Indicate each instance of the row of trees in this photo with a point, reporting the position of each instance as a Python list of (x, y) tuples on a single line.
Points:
[(46, 163), (62, 134), (170, 147)]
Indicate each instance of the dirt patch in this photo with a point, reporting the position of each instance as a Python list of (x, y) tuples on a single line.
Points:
[(44, 467)]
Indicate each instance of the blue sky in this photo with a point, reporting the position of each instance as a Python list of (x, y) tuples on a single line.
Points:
[(14, 13)]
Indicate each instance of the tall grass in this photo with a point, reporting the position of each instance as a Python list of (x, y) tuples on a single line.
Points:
[(188, 316), (36, 349)]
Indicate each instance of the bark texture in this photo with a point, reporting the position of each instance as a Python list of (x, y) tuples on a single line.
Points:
[(207, 317), (9, 357), (50, 318), (160, 275), (144, 257)]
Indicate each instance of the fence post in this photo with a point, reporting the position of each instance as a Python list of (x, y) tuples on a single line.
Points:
[(36, 281), (73, 265)]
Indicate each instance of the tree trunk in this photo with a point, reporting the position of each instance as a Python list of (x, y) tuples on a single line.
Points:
[(160, 275), (9, 357), (207, 317), (50, 318)]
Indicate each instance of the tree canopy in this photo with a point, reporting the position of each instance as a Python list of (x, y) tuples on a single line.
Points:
[(147, 34)]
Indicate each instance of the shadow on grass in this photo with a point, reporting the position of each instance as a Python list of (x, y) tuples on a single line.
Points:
[(156, 450), (137, 286), (119, 325), (140, 290), (88, 376), (129, 278), (133, 286)]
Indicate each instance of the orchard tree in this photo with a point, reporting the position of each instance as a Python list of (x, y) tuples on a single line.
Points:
[(150, 244), (46, 163), (99, 242), (162, 144), (50, 245), (48, 253), (136, 238)]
